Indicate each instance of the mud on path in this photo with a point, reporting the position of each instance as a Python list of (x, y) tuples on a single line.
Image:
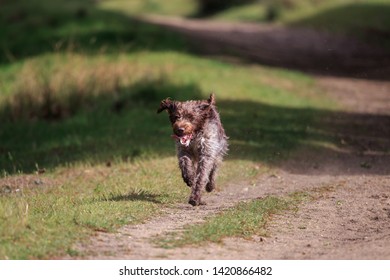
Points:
[(349, 219)]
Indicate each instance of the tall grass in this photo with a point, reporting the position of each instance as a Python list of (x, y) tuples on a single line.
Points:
[(60, 86)]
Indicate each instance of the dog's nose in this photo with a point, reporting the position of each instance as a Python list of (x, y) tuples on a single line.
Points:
[(179, 131)]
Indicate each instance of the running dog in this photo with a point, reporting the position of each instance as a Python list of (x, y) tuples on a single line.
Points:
[(201, 142)]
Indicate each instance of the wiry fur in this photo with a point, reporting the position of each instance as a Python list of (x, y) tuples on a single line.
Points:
[(200, 156)]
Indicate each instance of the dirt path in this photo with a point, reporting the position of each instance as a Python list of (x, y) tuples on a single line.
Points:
[(350, 219), (299, 48)]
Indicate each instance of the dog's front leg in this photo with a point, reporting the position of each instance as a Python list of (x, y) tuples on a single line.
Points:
[(187, 170), (211, 183), (204, 168)]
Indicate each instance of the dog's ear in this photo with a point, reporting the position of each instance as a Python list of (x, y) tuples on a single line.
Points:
[(206, 104), (211, 99), (166, 104)]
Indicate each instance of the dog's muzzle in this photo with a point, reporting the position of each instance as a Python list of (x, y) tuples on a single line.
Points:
[(184, 140)]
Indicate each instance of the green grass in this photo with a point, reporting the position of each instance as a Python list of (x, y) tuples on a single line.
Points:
[(79, 94), (40, 27), (244, 221), (42, 221), (140, 7)]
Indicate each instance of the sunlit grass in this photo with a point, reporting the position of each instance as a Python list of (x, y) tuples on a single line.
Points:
[(139, 7)]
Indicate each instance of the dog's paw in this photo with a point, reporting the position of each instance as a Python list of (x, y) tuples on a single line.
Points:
[(195, 201), (188, 182), (210, 187)]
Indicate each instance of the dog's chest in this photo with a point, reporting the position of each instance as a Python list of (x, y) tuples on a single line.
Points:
[(200, 145)]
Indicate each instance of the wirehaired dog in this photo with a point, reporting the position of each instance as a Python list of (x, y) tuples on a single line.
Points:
[(201, 142)]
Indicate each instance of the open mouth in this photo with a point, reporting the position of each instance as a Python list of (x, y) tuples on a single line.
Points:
[(184, 140)]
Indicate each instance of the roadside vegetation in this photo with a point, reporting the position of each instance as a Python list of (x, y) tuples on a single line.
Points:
[(81, 146)]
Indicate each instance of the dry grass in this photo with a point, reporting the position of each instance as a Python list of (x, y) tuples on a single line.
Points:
[(69, 84)]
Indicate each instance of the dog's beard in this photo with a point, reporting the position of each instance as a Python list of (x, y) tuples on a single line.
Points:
[(184, 140)]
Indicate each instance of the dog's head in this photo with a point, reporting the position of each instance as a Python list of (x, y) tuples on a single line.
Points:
[(187, 118)]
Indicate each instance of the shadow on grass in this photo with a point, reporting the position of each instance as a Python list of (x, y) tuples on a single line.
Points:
[(130, 129), (139, 196), (31, 29), (211, 7)]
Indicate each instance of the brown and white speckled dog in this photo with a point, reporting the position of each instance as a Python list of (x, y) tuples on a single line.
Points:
[(201, 142)]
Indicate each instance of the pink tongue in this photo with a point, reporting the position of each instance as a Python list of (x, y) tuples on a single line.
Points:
[(184, 140)]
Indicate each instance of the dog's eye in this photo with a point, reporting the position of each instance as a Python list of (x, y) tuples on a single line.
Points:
[(175, 118)]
